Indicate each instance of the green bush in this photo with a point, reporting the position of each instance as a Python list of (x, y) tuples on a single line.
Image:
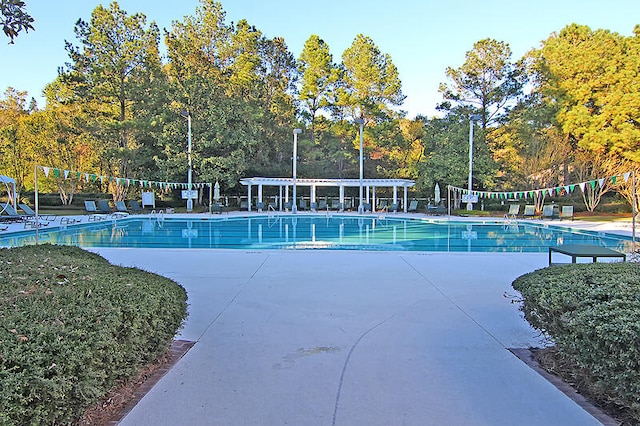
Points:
[(72, 326), (592, 313)]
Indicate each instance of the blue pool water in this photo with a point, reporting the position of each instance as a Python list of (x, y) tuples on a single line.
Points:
[(319, 232)]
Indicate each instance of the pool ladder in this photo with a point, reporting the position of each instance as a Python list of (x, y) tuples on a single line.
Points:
[(510, 220), (158, 216)]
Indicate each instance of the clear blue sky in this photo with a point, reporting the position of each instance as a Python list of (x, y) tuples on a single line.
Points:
[(423, 37)]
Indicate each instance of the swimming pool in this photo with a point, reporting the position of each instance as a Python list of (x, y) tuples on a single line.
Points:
[(297, 232)]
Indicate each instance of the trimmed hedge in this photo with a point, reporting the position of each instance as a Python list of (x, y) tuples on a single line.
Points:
[(72, 326), (592, 313)]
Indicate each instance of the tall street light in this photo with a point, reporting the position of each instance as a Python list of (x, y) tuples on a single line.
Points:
[(360, 205), (296, 132), (471, 120), (187, 115)]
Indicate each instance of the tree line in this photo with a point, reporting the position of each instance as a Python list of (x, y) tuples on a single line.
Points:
[(567, 111)]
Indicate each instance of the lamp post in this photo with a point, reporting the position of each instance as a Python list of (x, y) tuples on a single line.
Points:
[(360, 205), (471, 120), (187, 115), (296, 132)]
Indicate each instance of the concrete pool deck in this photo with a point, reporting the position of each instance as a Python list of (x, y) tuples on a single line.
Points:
[(349, 338)]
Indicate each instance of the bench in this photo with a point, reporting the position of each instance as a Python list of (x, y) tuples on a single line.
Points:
[(585, 250)]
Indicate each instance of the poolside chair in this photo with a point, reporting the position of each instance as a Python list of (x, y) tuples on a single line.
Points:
[(335, 204), (260, 206), (514, 210), (134, 206), (413, 206), (92, 210), (9, 214), (103, 207), (314, 206), (121, 207), (322, 205), (529, 211), (366, 207), (393, 208), (567, 212), (216, 208), (549, 212), (303, 204), (30, 213)]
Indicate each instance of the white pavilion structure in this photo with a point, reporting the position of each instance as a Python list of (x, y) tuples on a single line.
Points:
[(283, 184)]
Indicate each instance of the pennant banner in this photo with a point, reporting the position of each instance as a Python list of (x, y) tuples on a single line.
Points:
[(554, 191), (90, 177)]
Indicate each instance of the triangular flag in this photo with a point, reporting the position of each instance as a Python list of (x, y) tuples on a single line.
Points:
[(56, 172), (66, 174), (613, 179), (593, 184), (46, 171), (601, 182), (626, 176), (582, 185)]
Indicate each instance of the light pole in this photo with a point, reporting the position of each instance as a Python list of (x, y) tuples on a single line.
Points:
[(471, 120), (296, 132), (360, 205), (187, 115)]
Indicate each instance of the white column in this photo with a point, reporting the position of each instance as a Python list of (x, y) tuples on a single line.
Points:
[(406, 196), (259, 193), (395, 194), (249, 197), (373, 198)]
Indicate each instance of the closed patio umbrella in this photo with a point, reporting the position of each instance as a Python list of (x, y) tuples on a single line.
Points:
[(437, 194), (216, 191)]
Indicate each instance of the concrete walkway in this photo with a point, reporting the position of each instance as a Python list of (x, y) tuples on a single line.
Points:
[(349, 338)]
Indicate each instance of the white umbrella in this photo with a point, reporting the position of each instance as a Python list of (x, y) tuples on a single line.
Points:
[(216, 191), (437, 194)]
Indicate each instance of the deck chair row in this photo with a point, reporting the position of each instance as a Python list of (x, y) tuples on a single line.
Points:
[(548, 212)]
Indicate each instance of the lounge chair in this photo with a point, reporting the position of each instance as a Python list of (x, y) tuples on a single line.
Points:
[(413, 206), (514, 210), (366, 207), (393, 208), (30, 213), (9, 214), (92, 210), (216, 208), (303, 205), (567, 212), (322, 205), (134, 206), (436, 209), (549, 212), (529, 211), (103, 207), (121, 207), (260, 206), (314, 206)]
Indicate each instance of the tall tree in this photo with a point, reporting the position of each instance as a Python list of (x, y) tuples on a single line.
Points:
[(117, 55), (594, 76), (488, 81), (319, 76), (17, 155), (371, 84)]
